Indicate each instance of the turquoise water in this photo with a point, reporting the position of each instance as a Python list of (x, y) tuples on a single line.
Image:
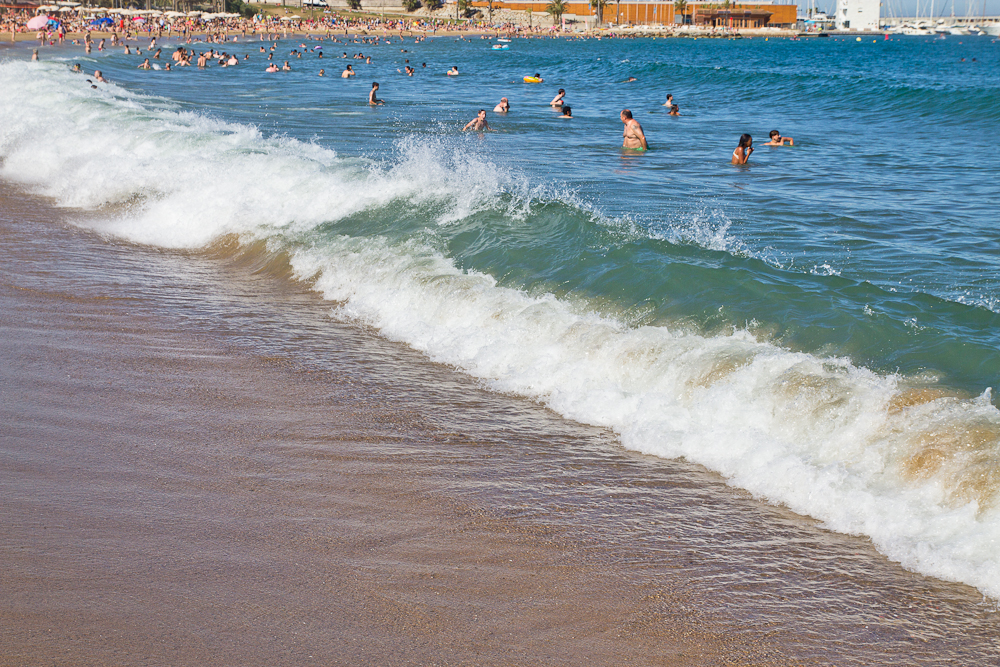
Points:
[(819, 326)]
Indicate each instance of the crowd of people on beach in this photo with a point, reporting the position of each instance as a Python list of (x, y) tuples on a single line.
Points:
[(633, 136)]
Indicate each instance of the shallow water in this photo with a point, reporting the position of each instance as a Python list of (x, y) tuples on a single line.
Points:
[(818, 327)]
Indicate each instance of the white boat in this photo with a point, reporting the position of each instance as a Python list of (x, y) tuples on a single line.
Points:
[(500, 47), (991, 29)]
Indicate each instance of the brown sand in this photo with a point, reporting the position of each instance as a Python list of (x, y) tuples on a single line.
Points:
[(171, 498), (199, 466)]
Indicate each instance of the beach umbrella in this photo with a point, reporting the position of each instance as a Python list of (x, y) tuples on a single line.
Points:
[(38, 22)]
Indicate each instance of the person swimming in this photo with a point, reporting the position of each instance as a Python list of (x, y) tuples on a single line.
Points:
[(503, 106), (347, 73), (743, 151), (674, 110), (478, 123), (778, 140), (453, 71), (557, 101), (372, 99), (567, 111)]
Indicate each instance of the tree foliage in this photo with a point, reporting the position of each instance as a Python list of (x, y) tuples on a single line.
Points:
[(556, 8)]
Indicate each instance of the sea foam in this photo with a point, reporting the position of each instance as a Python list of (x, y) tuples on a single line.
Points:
[(893, 458)]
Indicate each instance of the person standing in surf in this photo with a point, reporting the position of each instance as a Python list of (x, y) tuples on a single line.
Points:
[(742, 152), (478, 123), (632, 136), (372, 99)]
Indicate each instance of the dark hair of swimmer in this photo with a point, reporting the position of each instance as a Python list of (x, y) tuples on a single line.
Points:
[(567, 110), (774, 133), (745, 140), (626, 113), (374, 84), (561, 90)]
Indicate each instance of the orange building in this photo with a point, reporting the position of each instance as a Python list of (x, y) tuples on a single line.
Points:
[(707, 14)]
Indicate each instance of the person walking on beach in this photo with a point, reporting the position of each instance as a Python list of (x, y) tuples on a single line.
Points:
[(372, 99), (478, 123), (742, 152), (632, 136)]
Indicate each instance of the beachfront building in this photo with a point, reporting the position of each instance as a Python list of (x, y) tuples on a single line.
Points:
[(858, 14), (729, 15)]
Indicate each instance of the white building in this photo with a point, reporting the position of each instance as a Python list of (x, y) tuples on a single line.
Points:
[(858, 14)]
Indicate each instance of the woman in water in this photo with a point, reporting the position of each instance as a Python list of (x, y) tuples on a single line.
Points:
[(742, 152)]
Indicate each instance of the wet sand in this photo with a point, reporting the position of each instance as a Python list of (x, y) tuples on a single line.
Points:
[(198, 465), (175, 492)]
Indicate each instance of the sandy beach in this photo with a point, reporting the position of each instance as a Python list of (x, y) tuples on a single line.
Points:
[(172, 498)]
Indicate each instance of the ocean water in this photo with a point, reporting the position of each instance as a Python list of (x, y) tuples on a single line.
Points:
[(820, 326)]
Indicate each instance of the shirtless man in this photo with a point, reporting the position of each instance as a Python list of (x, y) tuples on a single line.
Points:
[(372, 99), (478, 123), (145, 64), (503, 107), (202, 60), (99, 76), (778, 140), (633, 137), (271, 68), (557, 101), (347, 73), (453, 71)]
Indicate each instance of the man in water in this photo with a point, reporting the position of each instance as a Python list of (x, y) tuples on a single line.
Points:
[(778, 140), (453, 71), (347, 73), (478, 123), (633, 138), (674, 110), (502, 107), (372, 99)]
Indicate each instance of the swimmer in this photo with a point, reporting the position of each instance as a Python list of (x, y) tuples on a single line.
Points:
[(99, 77), (144, 65), (557, 101), (372, 99), (76, 68), (632, 134), (567, 111), (347, 73), (271, 68), (453, 71), (742, 152), (778, 140), (478, 123), (503, 107), (286, 67), (674, 111), (322, 72), (631, 79), (670, 101), (233, 60)]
